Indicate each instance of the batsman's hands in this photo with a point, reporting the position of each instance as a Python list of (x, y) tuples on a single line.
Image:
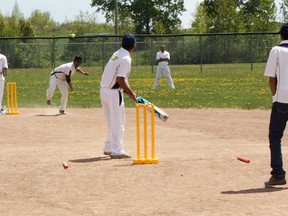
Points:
[(133, 96), (86, 73)]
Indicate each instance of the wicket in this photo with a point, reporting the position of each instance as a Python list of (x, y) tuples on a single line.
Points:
[(145, 159), (12, 105)]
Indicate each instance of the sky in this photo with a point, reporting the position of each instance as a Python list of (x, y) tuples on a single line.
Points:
[(61, 10)]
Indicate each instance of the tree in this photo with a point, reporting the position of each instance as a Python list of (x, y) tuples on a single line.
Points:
[(145, 13), (200, 25), (42, 22), (236, 16), (259, 15), (16, 12), (222, 16), (284, 11)]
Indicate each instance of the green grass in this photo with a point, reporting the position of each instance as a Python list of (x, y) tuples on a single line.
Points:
[(218, 86)]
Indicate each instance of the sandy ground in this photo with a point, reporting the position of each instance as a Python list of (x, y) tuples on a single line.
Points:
[(198, 173)]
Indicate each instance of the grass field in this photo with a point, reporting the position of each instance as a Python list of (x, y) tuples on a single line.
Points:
[(218, 86)]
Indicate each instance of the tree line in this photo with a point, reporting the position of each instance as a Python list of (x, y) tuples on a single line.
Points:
[(146, 17)]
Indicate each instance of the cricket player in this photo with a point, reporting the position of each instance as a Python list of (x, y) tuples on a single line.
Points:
[(163, 58), (3, 72), (61, 76), (276, 71), (114, 82)]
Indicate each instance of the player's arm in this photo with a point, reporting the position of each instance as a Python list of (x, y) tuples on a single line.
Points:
[(4, 71), (126, 88), (82, 72), (68, 80), (273, 84)]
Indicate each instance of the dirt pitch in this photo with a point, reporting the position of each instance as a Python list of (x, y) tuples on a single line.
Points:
[(198, 173)]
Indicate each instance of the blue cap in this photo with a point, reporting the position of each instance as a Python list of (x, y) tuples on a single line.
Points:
[(284, 29), (128, 40)]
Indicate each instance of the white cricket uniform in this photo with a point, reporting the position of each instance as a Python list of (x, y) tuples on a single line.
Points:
[(277, 60), (3, 64), (58, 77), (163, 69), (112, 100)]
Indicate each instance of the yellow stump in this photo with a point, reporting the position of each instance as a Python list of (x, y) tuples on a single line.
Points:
[(12, 104), (145, 159)]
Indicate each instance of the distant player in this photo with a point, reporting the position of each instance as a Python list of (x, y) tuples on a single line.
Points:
[(61, 76), (114, 82), (3, 71), (163, 58)]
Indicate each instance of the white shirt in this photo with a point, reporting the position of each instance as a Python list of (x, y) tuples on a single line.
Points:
[(164, 54), (277, 66), (119, 65), (3, 64), (64, 69)]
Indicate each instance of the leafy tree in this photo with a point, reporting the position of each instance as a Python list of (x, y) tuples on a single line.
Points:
[(222, 16), (16, 12), (284, 11), (26, 29), (200, 25), (235, 16), (145, 13), (259, 15), (42, 22)]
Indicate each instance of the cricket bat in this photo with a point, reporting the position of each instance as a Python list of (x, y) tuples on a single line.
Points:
[(163, 116)]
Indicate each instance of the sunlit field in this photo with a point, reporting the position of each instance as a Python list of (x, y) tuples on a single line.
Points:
[(217, 86)]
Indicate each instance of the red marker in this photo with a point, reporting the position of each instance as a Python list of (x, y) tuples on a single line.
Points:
[(243, 159), (65, 165)]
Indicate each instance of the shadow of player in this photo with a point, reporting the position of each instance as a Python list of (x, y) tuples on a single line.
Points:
[(90, 160), (256, 190)]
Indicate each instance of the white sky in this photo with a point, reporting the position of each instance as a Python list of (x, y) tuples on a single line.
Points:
[(62, 10)]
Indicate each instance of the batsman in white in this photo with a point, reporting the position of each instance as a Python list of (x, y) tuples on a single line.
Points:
[(163, 58), (3, 71), (61, 76), (114, 82)]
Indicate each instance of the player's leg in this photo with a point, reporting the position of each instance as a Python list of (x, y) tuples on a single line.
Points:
[(105, 107), (51, 89), (168, 76), (63, 87), (276, 128), (158, 77), (2, 83), (116, 123)]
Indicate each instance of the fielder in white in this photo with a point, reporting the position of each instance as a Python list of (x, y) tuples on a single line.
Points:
[(3, 72), (61, 76), (163, 58), (114, 82)]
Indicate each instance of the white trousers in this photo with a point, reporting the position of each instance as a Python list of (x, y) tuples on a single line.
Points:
[(2, 84), (113, 106), (163, 71), (63, 87)]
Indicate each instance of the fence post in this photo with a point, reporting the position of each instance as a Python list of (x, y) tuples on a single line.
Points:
[(201, 55), (53, 53), (103, 62), (251, 52), (151, 57)]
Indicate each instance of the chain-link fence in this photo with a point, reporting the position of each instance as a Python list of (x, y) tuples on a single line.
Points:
[(185, 49)]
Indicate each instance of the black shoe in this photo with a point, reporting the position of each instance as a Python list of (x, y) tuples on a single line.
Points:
[(273, 181), (62, 112)]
